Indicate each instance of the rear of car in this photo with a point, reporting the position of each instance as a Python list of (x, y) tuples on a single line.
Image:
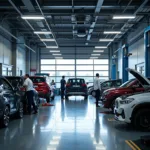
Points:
[(42, 86), (76, 87)]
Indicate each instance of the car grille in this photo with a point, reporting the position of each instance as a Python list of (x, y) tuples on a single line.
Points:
[(116, 104)]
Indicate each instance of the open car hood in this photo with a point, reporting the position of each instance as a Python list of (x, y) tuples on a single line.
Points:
[(143, 80)]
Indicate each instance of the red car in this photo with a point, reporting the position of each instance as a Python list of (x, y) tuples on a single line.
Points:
[(129, 87), (42, 85)]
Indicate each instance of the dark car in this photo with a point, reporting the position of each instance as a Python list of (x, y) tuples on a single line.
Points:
[(42, 85), (130, 87), (106, 85), (17, 83), (10, 102), (76, 87)]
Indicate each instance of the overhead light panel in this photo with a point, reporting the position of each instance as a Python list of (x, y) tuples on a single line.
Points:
[(58, 57), (95, 54), (42, 32), (31, 17), (106, 40), (48, 40), (123, 17), (57, 54), (100, 47), (93, 57), (98, 51), (51, 46), (54, 51), (112, 32)]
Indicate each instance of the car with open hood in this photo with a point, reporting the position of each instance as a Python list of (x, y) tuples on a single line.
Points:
[(130, 87), (135, 108)]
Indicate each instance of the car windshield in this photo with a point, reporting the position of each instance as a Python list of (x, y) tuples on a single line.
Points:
[(37, 79), (127, 84)]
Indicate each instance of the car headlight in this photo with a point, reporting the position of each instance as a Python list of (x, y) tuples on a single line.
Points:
[(127, 101)]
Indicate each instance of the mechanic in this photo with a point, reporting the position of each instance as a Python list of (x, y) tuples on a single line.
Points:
[(28, 84), (97, 88), (62, 86)]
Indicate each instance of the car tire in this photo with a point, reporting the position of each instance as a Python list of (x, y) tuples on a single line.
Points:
[(19, 112), (141, 120), (48, 98), (113, 106), (6, 117)]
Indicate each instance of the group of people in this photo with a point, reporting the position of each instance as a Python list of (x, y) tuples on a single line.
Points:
[(28, 84)]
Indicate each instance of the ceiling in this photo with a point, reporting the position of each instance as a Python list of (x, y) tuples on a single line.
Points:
[(70, 19)]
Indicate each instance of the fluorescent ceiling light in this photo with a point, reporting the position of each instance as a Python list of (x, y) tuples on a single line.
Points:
[(51, 46), (106, 40), (100, 46), (58, 57), (98, 51), (93, 57), (42, 32), (47, 40), (123, 17), (57, 54), (95, 54), (112, 32), (54, 51), (30, 17)]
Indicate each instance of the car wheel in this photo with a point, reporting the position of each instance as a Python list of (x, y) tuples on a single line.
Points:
[(142, 119), (6, 117), (93, 93), (113, 106), (20, 110)]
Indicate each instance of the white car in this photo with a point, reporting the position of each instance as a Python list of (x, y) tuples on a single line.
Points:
[(135, 109)]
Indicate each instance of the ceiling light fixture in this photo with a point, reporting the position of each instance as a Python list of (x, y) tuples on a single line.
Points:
[(42, 32), (98, 51), (123, 17), (100, 47), (95, 54), (106, 40), (30, 17), (112, 32), (51, 46), (58, 57), (48, 40), (54, 51), (57, 54), (93, 57)]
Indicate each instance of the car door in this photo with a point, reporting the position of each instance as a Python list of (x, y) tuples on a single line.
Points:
[(9, 94)]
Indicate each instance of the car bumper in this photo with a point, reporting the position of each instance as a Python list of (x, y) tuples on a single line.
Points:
[(121, 115), (76, 93)]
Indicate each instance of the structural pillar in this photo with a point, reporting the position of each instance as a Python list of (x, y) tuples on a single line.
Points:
[(147, 51)]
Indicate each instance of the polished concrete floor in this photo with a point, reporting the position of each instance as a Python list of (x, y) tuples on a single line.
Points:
[(69, 125)]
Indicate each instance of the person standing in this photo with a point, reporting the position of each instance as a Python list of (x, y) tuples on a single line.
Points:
[(62, 86), (28, 84), (97, 88)]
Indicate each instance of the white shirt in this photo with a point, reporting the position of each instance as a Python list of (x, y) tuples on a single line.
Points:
[(97, 84), (28, 84)]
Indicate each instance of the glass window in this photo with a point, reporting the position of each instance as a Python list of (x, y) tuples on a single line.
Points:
[(101, 61), (85, 67), (65, 67), (51, 73), (102, 79), (65, 73), (48, 61), (101, 67), (87, 79), (65, 61), (101, 73), (59, 78), (84, 61), (47, 67), (37, 79), (84, 73)]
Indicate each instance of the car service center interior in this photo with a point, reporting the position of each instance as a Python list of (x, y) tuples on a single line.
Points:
[(62, 52)]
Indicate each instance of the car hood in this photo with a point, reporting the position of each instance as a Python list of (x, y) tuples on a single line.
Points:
[(143, 80), (140, 95)]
